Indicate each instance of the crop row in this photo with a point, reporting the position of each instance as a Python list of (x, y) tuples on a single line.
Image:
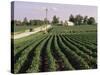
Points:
[(54, 53)]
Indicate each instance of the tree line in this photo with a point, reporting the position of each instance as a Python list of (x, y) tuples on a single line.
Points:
[(77, 20), (82, 20), (30, 22)]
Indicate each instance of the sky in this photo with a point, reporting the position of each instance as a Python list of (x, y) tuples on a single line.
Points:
[(35, 10)]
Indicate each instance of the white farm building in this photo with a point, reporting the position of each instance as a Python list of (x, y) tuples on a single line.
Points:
[(68, 23)]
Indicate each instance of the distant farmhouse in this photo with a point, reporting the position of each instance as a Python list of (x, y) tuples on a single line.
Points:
[(68, 23)]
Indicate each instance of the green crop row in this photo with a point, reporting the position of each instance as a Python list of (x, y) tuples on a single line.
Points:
[(34, 67), (24, 55), (65, 61), (71, 44), (74, 59)]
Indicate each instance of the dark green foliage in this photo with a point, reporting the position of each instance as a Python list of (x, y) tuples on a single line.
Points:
[(59, 50), (78, 20), (85, 20), (71, 18), (91, 21), (36, 22), (25, 21), (82, 20), (55, 20)]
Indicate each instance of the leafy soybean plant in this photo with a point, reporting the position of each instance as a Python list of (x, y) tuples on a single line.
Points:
[(57, 50)]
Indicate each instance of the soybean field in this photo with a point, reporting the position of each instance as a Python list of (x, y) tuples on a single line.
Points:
[(63, 48)]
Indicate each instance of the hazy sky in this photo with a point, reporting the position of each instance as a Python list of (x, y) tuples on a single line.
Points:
[(33, 10)]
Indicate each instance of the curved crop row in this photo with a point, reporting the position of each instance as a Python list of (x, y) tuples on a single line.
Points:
[(82, 47), (19, 42), (90, 38), (61, 58), (24, 55), (89, 59), (34, 66), (51, 60), (19, 53), (92, 48), (74, 59), (26, 43)]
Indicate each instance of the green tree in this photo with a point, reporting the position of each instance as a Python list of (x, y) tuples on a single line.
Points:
[(91, 21), (25, 21), (36, 22), (78, 20), (55, 20), (71, 18), (85, 20)]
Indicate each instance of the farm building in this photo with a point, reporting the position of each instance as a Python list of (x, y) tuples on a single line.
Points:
[(68, 23)]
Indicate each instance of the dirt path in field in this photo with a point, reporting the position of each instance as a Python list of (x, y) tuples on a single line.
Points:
[(27, 33)]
